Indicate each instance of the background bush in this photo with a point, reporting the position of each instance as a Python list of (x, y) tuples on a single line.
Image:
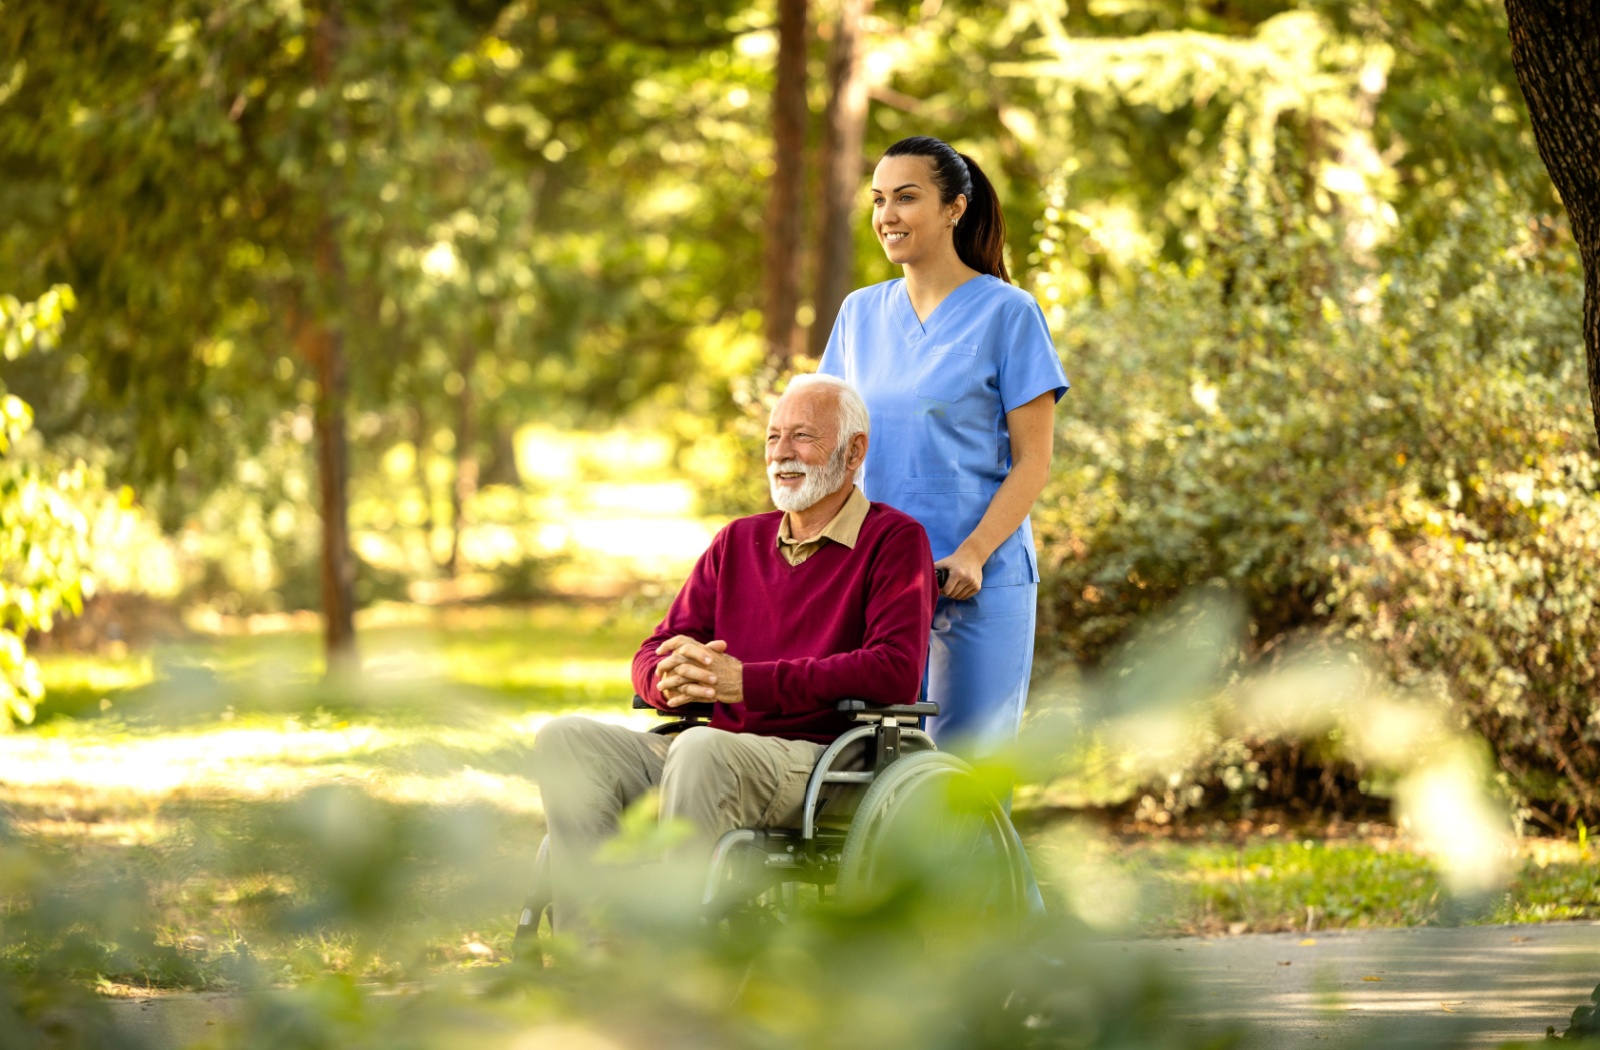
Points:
[(1398, 455)]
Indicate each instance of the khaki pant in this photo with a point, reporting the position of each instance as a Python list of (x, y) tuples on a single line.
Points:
[(589, 772)]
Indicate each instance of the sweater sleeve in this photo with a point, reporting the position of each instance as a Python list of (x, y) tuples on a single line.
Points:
[(888, 667), (693, 613)]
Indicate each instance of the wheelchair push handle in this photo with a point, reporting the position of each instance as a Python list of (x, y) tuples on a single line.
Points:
[(941, 577)]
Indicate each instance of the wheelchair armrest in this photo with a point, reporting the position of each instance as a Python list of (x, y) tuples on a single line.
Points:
[(917, 710), (684, 711)]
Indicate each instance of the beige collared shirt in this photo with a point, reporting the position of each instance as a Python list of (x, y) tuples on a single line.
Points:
[(845, 528)]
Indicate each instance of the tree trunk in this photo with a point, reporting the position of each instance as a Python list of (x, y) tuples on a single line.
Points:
[(323, 344), (844, 131), (323, 348), (781, 257), (424, 444), (466, 485), (1555, 49)]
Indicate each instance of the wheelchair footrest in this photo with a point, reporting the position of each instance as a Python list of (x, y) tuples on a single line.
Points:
[(749, 861)]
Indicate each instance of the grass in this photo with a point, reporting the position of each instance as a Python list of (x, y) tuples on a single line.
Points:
[(1213, 884), (539, 657), (182, 825), (217, 816)]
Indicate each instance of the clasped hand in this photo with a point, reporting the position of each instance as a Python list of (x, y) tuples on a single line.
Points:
[(698, 672)]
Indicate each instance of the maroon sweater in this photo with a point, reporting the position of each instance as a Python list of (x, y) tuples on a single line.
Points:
[(846, 622)]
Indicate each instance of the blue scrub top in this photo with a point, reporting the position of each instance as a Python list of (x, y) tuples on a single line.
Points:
[(938, 392)]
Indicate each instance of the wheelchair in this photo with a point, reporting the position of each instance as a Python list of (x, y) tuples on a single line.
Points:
[(862, 834)]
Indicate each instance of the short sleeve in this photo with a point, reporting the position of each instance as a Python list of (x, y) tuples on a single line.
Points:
[(1029, 364), (833, 357)]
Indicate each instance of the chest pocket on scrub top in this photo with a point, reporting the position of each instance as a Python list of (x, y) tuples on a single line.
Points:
[(947, 373)]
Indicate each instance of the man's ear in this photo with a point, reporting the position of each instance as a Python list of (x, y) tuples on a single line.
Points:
[(858, 451)]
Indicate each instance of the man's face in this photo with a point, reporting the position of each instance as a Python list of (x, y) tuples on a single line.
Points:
[(805, 460)]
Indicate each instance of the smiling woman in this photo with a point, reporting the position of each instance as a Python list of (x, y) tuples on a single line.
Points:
[(961, 376)]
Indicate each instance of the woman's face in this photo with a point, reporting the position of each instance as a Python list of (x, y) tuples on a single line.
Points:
[(910, 222)]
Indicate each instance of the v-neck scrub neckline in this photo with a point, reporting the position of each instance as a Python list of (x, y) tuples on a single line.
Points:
[(916, 328), (938, 392)]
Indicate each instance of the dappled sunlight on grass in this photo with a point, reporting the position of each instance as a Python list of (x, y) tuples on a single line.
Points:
[(198, 790), (554, 657), (270, 758), (228, 890), (549, 655), (67, 767), (444, 712), (77, 684), (98, 673)]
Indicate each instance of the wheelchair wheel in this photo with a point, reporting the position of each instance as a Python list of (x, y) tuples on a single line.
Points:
[(928, 827)]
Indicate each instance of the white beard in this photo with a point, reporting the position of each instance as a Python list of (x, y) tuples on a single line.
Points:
[(819, 482)]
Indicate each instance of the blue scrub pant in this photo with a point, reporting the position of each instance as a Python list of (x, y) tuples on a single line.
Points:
[(980, 656), (979, 660)]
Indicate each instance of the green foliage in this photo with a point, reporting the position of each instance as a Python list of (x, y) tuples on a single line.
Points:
[(1397, 456), (203, 843), (335, 889), (44, 532), (1556, 890), (528, 210), (48, 1004), (505, 213)]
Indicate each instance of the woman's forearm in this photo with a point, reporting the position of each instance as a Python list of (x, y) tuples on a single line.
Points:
[(1032, 444), (1010, 505)]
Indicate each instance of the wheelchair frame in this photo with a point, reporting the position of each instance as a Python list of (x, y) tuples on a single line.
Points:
[(811, 853)]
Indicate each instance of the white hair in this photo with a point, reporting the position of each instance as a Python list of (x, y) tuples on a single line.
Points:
[(853, 418)]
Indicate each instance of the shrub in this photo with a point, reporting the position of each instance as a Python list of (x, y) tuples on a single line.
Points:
[(1400, 457), (44, 533)]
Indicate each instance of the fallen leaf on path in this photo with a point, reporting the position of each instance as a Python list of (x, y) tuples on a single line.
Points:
[(1369, 977), (1287, 963), (1308, 942), (1521, 940)]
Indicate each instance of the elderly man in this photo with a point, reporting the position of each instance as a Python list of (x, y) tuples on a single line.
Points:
[(786, 613)]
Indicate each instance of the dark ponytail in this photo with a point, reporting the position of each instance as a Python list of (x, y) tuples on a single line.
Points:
[(980, 236)]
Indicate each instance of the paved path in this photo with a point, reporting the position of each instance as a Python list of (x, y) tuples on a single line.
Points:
[(1467, 987), (1476, 986)]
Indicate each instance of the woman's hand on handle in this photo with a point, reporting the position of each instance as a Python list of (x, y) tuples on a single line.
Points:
[(966, 574)]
